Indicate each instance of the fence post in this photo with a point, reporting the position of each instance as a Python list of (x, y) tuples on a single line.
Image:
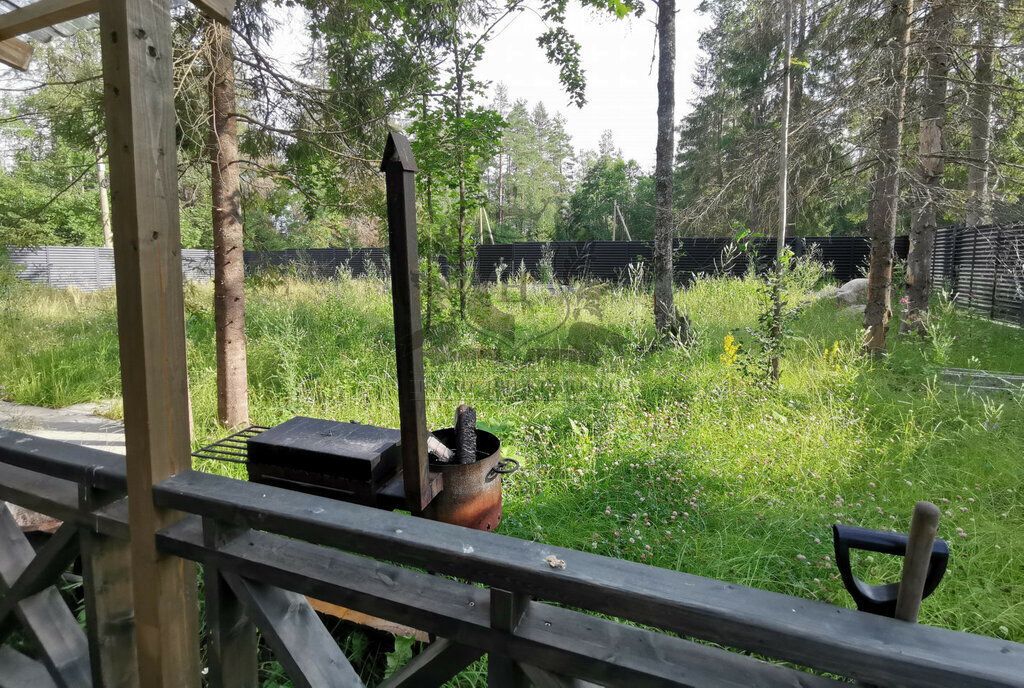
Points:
[(507, 609), (231, 636), (109, 616)]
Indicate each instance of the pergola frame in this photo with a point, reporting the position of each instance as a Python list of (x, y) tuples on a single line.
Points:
[(138, 95)]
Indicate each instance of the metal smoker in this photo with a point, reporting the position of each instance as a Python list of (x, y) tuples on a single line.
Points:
[(383, 467)]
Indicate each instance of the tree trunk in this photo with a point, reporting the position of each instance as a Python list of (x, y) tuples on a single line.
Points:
[(229, 269), (102, 182), (886, 187), (780, 240), (933, 120), (665, 318), (980, 109)]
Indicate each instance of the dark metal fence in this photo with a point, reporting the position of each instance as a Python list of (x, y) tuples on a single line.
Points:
[(563, 261), (984, 268)]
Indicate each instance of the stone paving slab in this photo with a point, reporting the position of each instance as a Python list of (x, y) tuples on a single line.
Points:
[(77, 424)]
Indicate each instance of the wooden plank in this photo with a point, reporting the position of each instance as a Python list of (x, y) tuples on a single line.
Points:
[(352, 616), (218, 10), (109, 617), (18, 671), (231, 649), (806, 632), (74, 462), (59, 499), (15, 53), (44, 616), (43, 570), (556, 639), (43, 13), (296, 635), (107, 584), (442, 660), (135, 36), (507, 610)]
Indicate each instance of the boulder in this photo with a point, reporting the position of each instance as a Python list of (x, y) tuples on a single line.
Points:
[(853, 292), (826, 293), (857, 309)]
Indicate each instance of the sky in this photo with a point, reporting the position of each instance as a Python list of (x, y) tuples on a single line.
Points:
[(621, 79), (616, 54)]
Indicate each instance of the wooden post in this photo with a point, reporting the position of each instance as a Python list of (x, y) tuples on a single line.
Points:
[(231, 648), (399, 169), (507, 609), (138, 94), (107, 581)]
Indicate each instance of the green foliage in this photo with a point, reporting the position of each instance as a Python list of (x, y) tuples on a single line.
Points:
[(611, 183), (721, 477)]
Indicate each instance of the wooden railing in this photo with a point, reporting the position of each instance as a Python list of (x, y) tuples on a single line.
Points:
[(265, 549)]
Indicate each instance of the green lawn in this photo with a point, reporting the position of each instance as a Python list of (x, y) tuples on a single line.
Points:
[(664, 455)]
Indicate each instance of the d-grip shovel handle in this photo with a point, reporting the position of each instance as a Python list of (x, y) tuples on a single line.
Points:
[(881, 599)]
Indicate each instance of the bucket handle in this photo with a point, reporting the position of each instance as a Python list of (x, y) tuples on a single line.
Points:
[(505, 467)]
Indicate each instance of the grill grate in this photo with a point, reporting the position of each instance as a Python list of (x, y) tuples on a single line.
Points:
[(231, 449)]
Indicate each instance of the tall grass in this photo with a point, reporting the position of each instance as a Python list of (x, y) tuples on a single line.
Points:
[(668, 456)]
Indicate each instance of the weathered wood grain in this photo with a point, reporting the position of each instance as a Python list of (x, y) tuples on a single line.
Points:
[(107, 583), (805, 632), (295, 633), (231, 647), (43, 570), (507, 610), (44, 616), (74, 462), (555, 639), (135, 36)]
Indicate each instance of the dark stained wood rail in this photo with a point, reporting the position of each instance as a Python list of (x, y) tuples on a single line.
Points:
[(269, 547)]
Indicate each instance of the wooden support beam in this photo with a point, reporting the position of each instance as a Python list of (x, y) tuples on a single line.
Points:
[(295, 633), (507, 609), (15, 53), (135, 36), (44, 616), (217, 10), (43, 13), (435, 666), (231, 647), (43, 570), (109, 617)]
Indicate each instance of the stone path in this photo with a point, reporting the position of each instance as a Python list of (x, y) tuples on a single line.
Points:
[(77, 424)]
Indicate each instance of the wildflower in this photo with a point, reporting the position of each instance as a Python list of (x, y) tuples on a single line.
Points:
[(731, 349)]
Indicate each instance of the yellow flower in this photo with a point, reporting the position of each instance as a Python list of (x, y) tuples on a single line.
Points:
[(731, 347)]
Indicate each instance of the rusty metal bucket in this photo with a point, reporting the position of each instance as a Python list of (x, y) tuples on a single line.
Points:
[(472, 492)]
